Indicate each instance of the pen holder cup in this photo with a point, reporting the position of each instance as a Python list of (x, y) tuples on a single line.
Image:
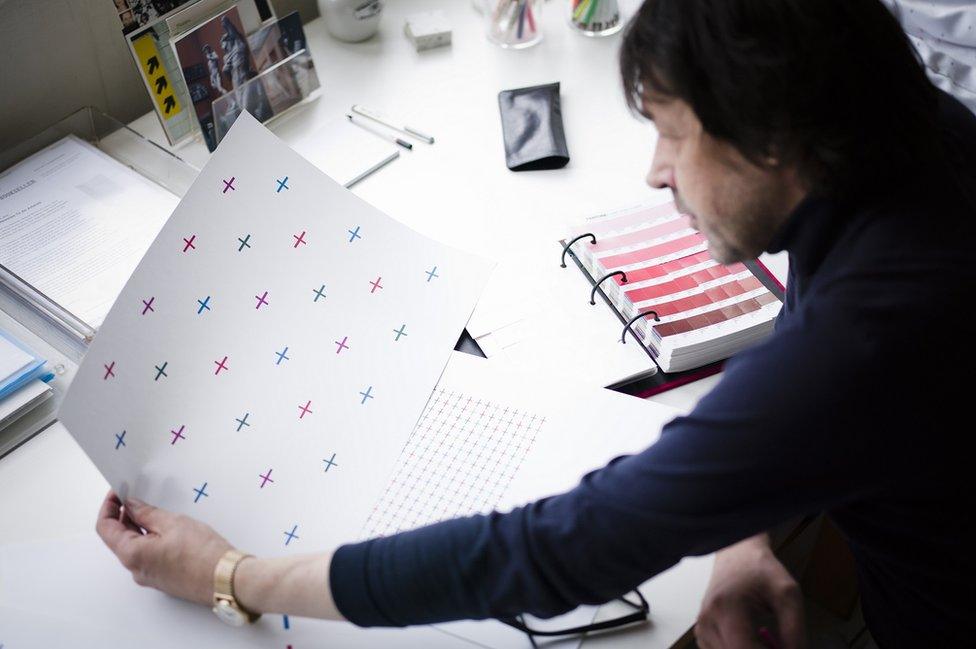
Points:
[(513, 24), (595, 17)]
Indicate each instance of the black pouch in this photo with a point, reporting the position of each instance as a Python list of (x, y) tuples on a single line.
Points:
[(532, 125)]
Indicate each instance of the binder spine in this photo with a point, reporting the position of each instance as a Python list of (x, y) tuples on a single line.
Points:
[(568, 246), (596, 286), (596, 289), (630, 323)]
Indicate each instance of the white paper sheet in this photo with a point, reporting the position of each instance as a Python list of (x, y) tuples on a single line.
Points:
[(74, 223), (346, 152), (493, 438), (269, 357), (93, 601), (12, 359)]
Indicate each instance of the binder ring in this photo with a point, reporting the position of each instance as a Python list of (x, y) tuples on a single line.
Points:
[(622, 274), (637, 317), (562, 262)]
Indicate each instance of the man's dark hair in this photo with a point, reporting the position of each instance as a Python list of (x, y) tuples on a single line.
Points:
[(833, 86)]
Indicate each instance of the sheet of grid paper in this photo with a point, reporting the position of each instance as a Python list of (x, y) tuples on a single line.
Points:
[(460, 459)]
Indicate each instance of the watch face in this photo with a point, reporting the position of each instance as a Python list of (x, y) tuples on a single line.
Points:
[(228, 614)]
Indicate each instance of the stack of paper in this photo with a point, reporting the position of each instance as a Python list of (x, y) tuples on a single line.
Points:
[(21, 380)]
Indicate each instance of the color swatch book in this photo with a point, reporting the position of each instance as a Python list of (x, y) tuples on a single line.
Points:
[(655, 272), (267, 360)]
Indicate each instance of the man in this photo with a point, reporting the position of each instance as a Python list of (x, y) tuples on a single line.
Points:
[(804, 125)]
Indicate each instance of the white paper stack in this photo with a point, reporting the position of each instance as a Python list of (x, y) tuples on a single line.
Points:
[(21, 387)]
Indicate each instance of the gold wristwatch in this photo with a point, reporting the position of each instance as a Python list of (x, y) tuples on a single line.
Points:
[(225, 605)]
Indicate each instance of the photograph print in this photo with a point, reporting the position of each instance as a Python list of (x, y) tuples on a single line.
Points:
[(218, 65)]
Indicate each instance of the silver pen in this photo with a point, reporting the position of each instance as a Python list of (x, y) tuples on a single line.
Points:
[(376, 117)]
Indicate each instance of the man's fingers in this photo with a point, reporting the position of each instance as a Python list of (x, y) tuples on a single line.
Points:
[(706, 635), (787, 605), (737, 629), (111, 530), (151, 519)]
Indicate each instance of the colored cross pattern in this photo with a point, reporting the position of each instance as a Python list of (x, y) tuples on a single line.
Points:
[(459, 460), (203, 304)]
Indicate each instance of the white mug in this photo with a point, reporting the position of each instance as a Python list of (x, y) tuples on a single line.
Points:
[(351, 20)]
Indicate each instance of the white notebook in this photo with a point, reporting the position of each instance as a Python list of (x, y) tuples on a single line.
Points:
[(346, 152)]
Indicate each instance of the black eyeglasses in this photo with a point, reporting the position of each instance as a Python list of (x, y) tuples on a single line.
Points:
[(641, 611)]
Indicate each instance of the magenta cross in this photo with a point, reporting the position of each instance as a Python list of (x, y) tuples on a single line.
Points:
[(376, 285), (229, 184), (262, 299), (147, 305), (266, 478), (341, 344), (299, 238), (108, 370), (221, 365), (178, 434), (189, 242), (305, 409)]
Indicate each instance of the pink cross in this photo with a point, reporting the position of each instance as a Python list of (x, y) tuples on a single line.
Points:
[(177, 434), (147, 305), (305, 409), (221, 365), (266, 478), (299, 238), (376, 285), (108, 370), (262, 299), (189, 243), (341, 344)]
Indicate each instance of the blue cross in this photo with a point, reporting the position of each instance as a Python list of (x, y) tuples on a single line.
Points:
[(354, 234), (400, 332), (367, 394), (330, 463), (281, 356), (120, 441), (432, 273), (244, 243), (291, 535), (319, 292), (242, 422), (204, 304), (282, 184), (161, 370), (201, 492)]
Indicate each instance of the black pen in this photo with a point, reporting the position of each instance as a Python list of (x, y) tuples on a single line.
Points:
[(385, 136)]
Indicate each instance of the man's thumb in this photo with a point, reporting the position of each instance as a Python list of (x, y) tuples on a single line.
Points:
[(145, 516)]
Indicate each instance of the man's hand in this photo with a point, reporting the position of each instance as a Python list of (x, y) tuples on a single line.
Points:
[(748, 584), (175, 554)]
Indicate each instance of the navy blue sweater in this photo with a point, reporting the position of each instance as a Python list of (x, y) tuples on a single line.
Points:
[(853, 407)]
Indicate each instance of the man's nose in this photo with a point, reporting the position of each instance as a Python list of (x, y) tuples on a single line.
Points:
[(661, 173)]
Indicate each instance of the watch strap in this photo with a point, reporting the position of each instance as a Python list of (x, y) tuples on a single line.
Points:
[(224, 581)]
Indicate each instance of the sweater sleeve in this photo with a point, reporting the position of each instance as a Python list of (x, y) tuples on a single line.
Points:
[(774, 439)]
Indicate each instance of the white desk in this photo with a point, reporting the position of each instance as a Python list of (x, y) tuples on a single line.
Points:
[(458, 191)]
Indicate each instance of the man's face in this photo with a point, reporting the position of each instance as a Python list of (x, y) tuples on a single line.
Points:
[(736, 204)]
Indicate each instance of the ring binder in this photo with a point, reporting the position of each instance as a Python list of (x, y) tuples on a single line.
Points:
[(596, 286), (627, 327), (562, 262)]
